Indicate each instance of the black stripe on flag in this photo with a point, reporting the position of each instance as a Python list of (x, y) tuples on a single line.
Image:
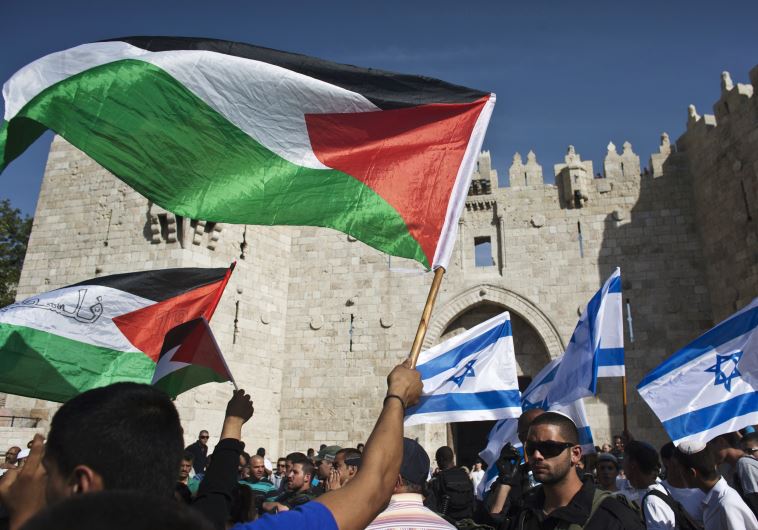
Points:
[(159, 285), (386, 90)]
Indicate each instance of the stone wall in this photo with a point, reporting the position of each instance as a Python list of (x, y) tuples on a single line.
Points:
[(312, 320)]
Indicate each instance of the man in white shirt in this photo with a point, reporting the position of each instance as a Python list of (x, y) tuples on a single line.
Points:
[(476, 475), (723, 509), (641, 466), (690, 498)]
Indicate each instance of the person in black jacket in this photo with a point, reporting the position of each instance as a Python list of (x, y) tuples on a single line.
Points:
[(199, 450), (563, 499), (450, 492)]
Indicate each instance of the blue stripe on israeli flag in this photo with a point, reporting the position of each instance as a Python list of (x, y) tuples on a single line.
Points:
[(505, 431), (709, 387), (596, 346), (470, 377)]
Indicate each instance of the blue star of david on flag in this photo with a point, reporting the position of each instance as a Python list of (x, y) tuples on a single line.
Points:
[(468, 371), (721, 377)]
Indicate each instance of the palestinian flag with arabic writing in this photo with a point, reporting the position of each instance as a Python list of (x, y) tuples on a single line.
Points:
[(230, 132), (60, 343)]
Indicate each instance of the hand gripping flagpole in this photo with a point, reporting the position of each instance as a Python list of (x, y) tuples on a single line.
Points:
[(426, 314)]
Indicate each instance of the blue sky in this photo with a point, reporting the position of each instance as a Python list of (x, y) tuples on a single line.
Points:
[(582, 73)]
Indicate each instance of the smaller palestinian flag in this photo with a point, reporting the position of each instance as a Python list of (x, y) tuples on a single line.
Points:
[(190, 357), (58, 344)]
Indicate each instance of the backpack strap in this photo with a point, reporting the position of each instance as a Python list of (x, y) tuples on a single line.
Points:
[(597, 499), (683, 519)]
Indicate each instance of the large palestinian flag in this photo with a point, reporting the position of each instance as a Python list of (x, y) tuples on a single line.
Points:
[(230, 132), (60, 343)]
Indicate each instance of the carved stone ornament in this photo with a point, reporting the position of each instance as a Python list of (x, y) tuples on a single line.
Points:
[(265, 317), (317, 322), (387, 321), (538, 220)]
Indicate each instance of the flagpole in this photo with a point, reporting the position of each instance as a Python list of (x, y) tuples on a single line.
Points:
[(623, 399), (425, 316)]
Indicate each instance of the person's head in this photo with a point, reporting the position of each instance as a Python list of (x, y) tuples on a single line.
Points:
[(300, 476), (325, 460), (261, 452), (257, 467), (185, 466), (118, 510), (618, 443), (525, 420), (360, 447), (203, 437), (606, 448), (291, 459), (726, 448), (311, 453), (346, 463), (281, 466), (444, 457), (244, 465), (552, 447), (477, 465), (698, 465), (607, 469), (11, 455), (414, 469), (125, 436), (749, 444), (641, 465)]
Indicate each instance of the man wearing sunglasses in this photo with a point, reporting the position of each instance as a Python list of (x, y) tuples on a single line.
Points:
[(563, 500), (199, 450)]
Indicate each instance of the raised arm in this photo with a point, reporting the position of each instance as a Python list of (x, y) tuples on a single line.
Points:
[(356, 504)]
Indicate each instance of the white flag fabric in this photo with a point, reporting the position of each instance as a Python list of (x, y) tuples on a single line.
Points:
[(596, 348), (535, 396), (709, 387), (471, 377)]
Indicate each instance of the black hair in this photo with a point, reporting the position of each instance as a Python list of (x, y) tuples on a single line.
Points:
[(704, 462), (308, 467), (444, 457), (182, 493), (750, 437), (261, 451), (128, 433), (644, 455), (188, 457), (297, 458), (668, 450), (246, 456), (565, 425), (351, 454), (117, 510)]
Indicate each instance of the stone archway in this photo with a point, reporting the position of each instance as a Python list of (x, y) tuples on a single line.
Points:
[(536, 342)]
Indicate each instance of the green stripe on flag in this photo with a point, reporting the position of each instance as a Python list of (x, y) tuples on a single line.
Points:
[(141, 124), (186, 378), (47, 366)]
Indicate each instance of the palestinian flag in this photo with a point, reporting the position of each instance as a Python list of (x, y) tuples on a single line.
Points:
[(60, 343), (229, 132), (190, 357)]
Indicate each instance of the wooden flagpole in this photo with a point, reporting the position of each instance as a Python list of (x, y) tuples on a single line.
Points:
[(623, 398), (425, 316)]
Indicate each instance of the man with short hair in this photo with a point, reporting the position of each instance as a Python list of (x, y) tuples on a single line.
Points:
[(324, 462), (406, 508), (450, 491), (690, 498), (298, 488), (199, 450), (563, 499), (641, 467), (11, 458), (280, 474), (723, 509), (258, 482), (346, 464), (185, 467)]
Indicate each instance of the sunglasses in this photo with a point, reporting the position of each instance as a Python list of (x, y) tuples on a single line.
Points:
[(548, 449), (204, 437)]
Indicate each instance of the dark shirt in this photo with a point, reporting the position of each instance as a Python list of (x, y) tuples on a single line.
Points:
[(292, 499), (214, 497), (200, 452), (612, 514), (451, 493)]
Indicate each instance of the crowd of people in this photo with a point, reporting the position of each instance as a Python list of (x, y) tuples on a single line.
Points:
[(114, 458)]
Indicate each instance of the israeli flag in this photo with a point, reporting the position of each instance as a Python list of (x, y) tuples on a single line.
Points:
[(709, 387), (535, 396), (596, 348), (470, 377)]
